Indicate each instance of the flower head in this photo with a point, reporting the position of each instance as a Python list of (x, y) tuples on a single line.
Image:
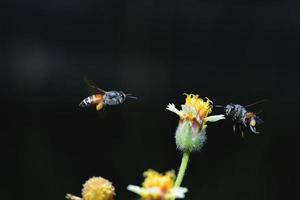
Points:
[(157, 186), (191, 131), (96, 188)]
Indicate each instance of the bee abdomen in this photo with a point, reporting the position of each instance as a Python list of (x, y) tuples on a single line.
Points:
[(86, 102)]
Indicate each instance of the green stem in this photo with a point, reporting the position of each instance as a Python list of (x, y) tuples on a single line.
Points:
[(182, 169)]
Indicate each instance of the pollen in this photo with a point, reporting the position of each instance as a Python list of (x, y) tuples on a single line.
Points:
[(252, 122), (98, 188), (99, 106)]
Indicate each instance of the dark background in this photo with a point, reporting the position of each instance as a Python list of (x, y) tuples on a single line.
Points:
[(230, 51)]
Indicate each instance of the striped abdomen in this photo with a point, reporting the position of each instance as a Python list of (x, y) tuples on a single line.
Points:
[(91, 100)]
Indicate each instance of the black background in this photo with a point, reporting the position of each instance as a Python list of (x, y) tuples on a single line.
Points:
[(229, 51)]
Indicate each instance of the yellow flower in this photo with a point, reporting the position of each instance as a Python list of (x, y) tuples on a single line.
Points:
[(197, 109), (191, 131), (96, 188), (158, 187)]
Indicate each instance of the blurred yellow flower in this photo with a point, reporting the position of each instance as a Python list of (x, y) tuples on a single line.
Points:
[(96, 188), (158, 187)]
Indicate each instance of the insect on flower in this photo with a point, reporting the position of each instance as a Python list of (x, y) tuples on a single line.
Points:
[(102, 98), (241, 116)]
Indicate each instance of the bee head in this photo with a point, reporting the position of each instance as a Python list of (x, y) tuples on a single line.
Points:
[(123, 95), (229, 109)]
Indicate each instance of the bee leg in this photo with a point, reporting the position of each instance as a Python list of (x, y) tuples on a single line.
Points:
[(253, 129), (244, 121), (242, 132), (99, 106), (233, 127), (72, 197)]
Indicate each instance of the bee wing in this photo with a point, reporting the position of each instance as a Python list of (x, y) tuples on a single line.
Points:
[(257, 102), (92, 87), (254, 107), (258, 120)]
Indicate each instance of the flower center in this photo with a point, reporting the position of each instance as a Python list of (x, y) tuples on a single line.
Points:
[(155, 179), (201, 108)]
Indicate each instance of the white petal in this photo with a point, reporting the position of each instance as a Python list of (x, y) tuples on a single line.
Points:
[(152, 191), (171, 107), (144, 191), (214, 118), (178, 192), (135, 189)]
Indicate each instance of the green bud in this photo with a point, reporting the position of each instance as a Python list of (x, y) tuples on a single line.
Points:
[(190, 136)]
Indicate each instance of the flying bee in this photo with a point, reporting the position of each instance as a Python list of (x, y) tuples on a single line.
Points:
[(103, 98), (241, 116)]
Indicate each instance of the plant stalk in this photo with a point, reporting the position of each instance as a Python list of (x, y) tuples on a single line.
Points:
[(182, 169)]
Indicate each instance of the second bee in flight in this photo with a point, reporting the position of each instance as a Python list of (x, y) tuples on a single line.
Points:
[(241, 116)]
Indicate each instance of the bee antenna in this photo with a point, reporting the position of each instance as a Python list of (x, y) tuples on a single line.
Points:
[(130, 96), (219, 106)]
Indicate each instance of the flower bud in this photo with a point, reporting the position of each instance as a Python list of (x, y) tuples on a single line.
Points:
[(191, 130), (189, 137)]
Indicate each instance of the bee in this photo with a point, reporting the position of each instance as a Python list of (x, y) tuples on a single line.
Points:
[(241, 116), (103, 98)]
